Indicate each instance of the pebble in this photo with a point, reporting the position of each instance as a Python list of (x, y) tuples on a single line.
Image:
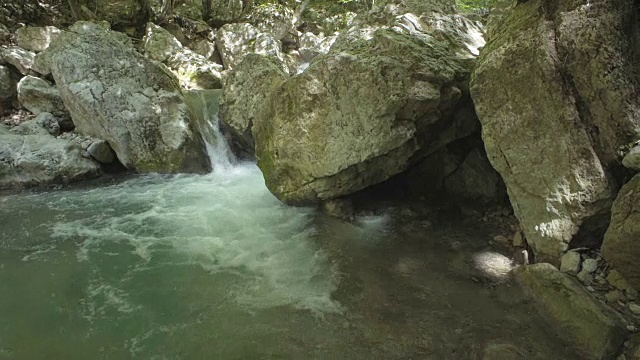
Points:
[(585, 277), (570, 263), (631, 293), (614, 296), (615, 278), (634, 308), (631, 328), (590, 265), (518, 240)]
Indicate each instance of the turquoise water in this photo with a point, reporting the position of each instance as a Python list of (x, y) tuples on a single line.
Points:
[(215, 267)]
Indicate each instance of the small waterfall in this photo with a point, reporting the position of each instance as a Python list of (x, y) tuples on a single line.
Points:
[(204, 104)]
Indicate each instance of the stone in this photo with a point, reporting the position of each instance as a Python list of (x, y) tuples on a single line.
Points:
[(362, 113), (620, 246), (203, 47), (475, 180), (501, 239), (20, 58), (101, 152), (36, 38), (159, 44), (518, 240), (193, 70), (502, 352), (245, 94), (558, 160), (235, 41), (590, 265), (38, 96), (116, 94), (339, 208), (634, 308), (36, 160), (595, 330), (312, 45), (615, 296), (29, 127), (274, 19), (631, 293), (632, 159), (225, 11), (585, 277), (570, 262), (617, 280)]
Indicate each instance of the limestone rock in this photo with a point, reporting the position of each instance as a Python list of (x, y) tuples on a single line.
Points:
[(245, 93), (203, 47), (585, 277), (235, 41), (274, 19), (115, 94), (312, 45), (555, 159), (193, 70), (632, 159), (590, 265), (595, 330), (620, 247), (159, 44), (38, 96), (101, 152), (359, 114), (43, 124), (34, 160), (20, 58), (36, 38), (570, 262)]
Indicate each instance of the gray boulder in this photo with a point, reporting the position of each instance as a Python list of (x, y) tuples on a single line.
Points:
[(36, 38), (38, 96), (235, 41), (274, 19), (193, 70), (381, 98), (245, 94), (101, 152), (555, 107), (632, 159), (35, 160), (311, 45), (114, 93), (620, 246), (43, 124), (595, 330), (21, 59)]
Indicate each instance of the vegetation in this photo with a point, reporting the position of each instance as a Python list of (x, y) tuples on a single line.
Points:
[(477, 6)]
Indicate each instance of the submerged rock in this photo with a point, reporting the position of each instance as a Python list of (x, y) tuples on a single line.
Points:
[(35, 160), (116, 94), (595, 330), (380, 98), (621, 247), (555, 106)]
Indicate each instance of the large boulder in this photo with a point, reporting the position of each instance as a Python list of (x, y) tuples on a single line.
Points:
[(21, 59), (622, 239), (555, 106), (235, 41), (596, 331), (34, 160), (311, 45), (275, 19), (245, 94), (36, 38), (114, 93), (38, 96), (382, 97), (193, 70)]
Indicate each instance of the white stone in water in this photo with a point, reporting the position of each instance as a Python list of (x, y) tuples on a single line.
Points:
[(590, 265), (493, 265), (570, 263)]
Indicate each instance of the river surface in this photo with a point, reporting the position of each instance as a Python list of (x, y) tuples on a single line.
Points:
[(215, 267)]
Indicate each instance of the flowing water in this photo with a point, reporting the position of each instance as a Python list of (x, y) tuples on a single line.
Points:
[(215, 267)]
